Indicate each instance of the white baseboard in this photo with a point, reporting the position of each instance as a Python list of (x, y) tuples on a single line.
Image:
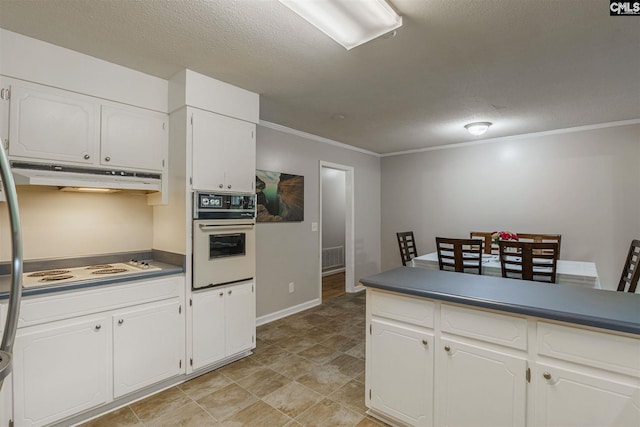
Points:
[(268, 318)]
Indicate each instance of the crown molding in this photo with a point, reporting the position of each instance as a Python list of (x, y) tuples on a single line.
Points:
[(316, 138), (516, 137)]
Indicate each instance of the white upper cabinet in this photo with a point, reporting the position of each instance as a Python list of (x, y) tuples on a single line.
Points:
[(52, 124), (224, 153), (133, 138), (59, 126)]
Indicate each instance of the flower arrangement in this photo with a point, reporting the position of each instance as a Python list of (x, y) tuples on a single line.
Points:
[(503, 235)]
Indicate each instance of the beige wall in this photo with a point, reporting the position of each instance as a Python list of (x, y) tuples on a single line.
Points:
[(583, 185), (289, 252), (59, 224)]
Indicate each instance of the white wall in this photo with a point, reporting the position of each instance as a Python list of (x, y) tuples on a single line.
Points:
[(59, 224), (333, 207), (583, 185), (289, 252)]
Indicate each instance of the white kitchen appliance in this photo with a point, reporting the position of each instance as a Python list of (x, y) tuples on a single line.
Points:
[(78, 274), (223, 239)]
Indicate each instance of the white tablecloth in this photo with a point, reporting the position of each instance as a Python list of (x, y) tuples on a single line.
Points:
[(567, 272)]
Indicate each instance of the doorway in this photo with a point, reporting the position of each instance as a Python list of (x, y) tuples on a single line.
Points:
[(336, 230)]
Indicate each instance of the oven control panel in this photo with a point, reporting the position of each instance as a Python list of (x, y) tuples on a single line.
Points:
[(223, 206)]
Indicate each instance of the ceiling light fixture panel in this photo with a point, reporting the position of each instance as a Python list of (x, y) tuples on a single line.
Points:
[(348, 22), (478, 128)]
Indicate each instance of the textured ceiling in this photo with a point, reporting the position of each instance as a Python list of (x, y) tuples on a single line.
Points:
[(525, 65)]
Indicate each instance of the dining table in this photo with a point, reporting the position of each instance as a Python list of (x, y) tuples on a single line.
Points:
[(567, 272)]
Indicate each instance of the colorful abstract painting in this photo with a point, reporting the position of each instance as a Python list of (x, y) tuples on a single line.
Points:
[(280, 197)]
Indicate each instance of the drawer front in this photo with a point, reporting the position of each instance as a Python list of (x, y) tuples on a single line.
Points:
[(509, 331), (592, 348), (416, 311), (40, 309)]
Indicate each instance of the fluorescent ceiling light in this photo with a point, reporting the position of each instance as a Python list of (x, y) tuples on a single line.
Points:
[(478, 128), (349, 22)]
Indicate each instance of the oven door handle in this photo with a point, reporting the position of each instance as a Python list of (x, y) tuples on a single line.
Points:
[(205, 227)]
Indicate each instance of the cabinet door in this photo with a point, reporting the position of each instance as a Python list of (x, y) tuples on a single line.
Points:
[(133, 138), (400, 372), (148, 345), (240, 311), (479, 387), (208, 327), (60, 369), (53, 125), (224, 153), (6, 401), (566, 398)]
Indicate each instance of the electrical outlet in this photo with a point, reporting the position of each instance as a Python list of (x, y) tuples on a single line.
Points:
[(291, 289)]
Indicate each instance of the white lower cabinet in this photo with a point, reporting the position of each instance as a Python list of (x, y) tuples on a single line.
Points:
[(580, 398), (6, 401), (495, 369), (400, 379), (224, 323), (75, 351), (147, 345), (61, 368), (479, 387)]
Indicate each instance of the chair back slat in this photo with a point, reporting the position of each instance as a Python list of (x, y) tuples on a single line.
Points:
[(487, 242), (541, 238), (529, 260), (407, 245), (631, 269), (460, 255)]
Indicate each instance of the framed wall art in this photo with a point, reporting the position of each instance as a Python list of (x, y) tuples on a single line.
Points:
[(279, 196)]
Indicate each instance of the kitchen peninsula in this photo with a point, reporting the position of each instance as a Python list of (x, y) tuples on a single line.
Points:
[(458, 349)]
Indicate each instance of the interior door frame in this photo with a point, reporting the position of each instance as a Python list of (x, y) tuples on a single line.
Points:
[(349, 227)]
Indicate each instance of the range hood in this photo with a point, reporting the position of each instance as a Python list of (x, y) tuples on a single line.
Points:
[(71, 176)]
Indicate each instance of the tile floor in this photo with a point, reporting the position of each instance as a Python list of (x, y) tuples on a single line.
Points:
[(307, 370)]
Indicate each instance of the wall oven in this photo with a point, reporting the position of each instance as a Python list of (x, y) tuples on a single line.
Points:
[(223, 239)]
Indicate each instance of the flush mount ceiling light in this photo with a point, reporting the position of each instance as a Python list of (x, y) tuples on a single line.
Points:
[(348, 22), (478, 128)]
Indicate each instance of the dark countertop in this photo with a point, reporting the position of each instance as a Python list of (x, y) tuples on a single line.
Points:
[(170, 264), (618, 311)]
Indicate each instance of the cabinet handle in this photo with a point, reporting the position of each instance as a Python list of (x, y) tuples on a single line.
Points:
[(221, 293), (229, 186), (87, 157), (425, 342), (447, 348), (230, 292), (546, 375), (98, 327), (220, 185), (107, 159), (120, 322)]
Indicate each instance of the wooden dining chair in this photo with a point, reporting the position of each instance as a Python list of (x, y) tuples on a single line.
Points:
[(407, 245), (535, 261), (487, 241), (631, 269), (541, 238), (460, 255)]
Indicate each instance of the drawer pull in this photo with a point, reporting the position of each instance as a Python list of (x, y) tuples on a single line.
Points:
[(546, 375), (221, 293), (447, 348), (98, 327), (425, 342), (120, 322), (230, 292)]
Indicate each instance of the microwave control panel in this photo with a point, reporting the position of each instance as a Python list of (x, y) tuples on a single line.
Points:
[(211, 205)]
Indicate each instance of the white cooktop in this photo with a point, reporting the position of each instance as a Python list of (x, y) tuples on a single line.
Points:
[(68, 275)]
